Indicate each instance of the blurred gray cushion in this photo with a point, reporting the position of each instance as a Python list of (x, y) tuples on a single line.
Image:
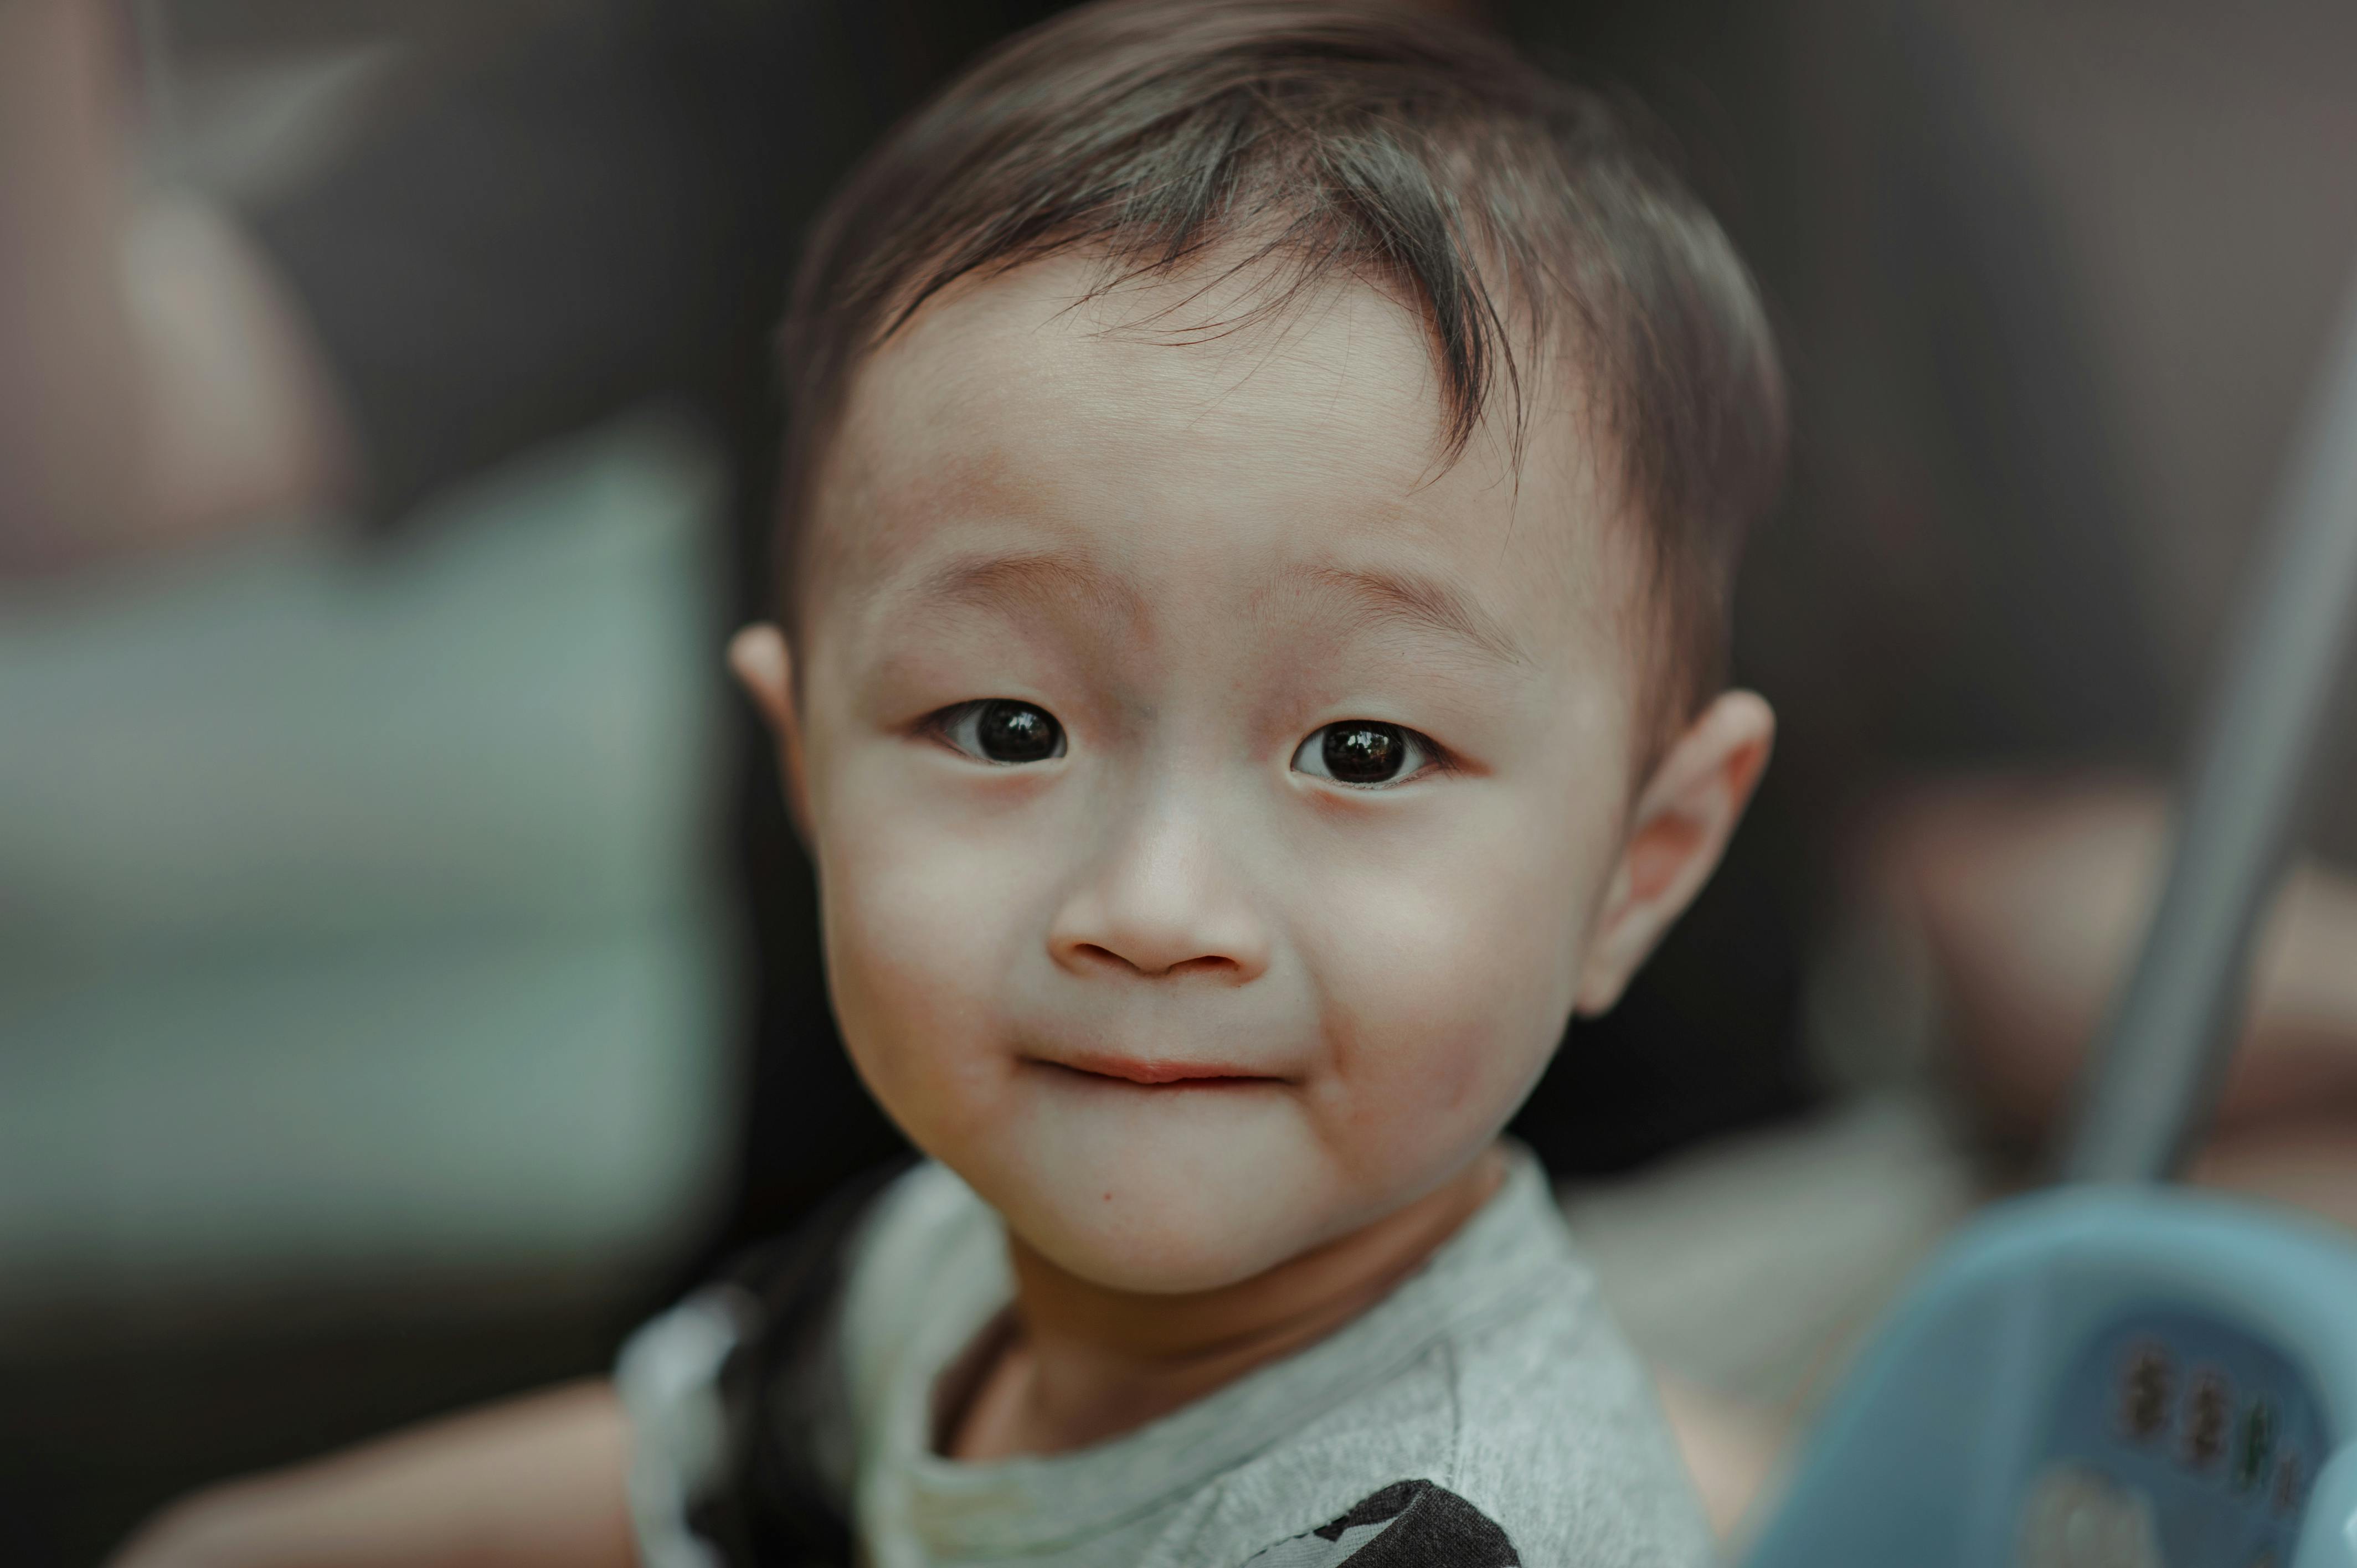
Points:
[(355, 912)]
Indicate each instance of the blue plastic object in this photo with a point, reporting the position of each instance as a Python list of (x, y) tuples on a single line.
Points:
[(2132, 1376), (2099, 1378)]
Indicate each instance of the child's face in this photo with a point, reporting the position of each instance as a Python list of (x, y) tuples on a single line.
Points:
[(1100, 632)]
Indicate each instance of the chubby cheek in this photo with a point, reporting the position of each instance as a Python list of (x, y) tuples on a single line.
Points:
[(922, 923), (1446, 981)]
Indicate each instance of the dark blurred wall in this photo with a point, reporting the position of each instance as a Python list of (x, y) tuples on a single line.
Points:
[(2050, 280)]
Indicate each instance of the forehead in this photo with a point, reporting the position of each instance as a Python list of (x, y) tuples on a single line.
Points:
[(1191, 423)]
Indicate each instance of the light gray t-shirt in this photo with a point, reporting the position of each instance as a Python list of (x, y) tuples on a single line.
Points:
[(1486, 1411)]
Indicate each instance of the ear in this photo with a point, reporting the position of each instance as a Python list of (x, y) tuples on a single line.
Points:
[(764, 666), (1679, 828)]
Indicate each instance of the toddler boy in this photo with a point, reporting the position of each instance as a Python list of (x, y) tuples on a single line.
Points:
[(1262, 490)]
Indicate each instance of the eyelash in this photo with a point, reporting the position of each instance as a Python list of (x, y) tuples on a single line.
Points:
[(1435, 757), (943, 726)]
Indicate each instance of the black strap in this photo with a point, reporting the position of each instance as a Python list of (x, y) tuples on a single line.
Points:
[(779, 1508)]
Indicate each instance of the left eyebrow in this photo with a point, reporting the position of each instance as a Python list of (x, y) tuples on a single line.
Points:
[(1424, 604)]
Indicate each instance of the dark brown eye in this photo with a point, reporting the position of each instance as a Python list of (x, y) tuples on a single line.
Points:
[(1364, 753), (1005, 731)]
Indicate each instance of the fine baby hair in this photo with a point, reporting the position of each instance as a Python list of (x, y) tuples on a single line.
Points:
[(1530, 224)]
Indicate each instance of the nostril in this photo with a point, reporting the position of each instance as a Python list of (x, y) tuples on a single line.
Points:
[(1207, 963)]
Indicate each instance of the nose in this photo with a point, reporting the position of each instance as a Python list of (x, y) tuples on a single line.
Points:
[(1162, 897)]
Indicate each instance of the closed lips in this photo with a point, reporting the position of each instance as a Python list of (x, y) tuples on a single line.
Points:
[(1164, 1072)]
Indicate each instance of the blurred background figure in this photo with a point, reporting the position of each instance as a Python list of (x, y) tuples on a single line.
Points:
[(406, 973)]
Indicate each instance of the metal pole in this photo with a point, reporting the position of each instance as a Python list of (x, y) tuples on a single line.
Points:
[(2173, 1029)]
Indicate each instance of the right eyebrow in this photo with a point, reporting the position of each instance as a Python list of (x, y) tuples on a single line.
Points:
[(1032, 581)]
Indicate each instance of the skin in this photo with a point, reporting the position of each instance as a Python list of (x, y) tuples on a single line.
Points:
[(1206, 533), (532, 1481), (1228, 1044)]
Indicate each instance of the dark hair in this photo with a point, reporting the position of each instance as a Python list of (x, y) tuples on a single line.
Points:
[(1366, 140)]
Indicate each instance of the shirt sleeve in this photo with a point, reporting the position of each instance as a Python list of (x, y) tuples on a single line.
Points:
[(738, 1412)]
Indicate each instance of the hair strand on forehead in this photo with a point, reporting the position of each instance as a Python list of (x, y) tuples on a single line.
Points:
[(1318, 142)]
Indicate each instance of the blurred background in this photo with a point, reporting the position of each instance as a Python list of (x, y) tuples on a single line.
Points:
[(407, 980)]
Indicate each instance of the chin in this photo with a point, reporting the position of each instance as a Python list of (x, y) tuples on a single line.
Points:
[(1159, 1231), (1168, 1256)]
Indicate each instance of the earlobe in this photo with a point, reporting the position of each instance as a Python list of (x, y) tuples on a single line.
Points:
[(764, 666), (1677, 832)]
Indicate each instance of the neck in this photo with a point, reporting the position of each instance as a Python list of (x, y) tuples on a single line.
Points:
[(1085, 1363)]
